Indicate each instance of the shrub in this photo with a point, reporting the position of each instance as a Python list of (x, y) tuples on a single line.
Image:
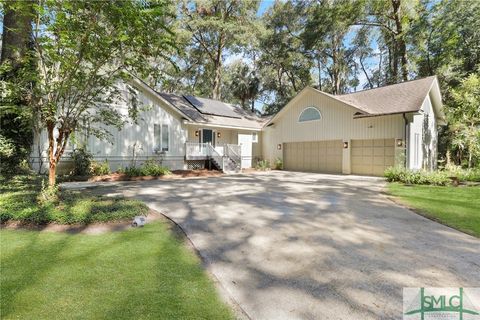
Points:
[(398, 174), (278, 164), (149, 168), (263, 165), (99, 168), (82, 160)]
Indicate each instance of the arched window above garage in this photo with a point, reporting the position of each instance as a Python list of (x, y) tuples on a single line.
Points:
[(309, 114)]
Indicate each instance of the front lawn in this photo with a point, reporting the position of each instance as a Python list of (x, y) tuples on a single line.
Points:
[(457, 207), (19, 202), (143, 273)]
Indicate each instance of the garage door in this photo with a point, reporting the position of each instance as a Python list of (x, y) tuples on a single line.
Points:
[(372, 157), (314, 156)]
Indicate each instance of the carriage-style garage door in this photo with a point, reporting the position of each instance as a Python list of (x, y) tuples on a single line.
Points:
[(313, 156), (372, 157)]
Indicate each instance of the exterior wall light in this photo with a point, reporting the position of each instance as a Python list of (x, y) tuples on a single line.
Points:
[(197, 133), (218, 135), (399, 142), (279, 146), (345, 144)]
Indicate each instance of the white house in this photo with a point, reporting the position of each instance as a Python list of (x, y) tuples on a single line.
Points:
[(358, 133)]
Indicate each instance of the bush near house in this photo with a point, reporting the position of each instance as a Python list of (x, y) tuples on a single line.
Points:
[(262, 165), (99, 168), (440, 178), (149, 168)]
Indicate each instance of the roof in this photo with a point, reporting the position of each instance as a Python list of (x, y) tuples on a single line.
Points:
[(397, 98), (404, 97), (210, 112)]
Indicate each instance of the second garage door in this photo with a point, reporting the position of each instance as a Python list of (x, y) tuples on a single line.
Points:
[(313, 156), (372, 157)]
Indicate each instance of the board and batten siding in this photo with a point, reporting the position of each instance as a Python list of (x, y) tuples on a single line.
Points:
[(337, 123), (119, 151)]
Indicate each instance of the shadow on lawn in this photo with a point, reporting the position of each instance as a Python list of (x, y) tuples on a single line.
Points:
[(321, 241)]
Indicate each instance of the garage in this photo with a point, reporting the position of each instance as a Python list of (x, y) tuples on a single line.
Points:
[(313, 156), (372, 157)]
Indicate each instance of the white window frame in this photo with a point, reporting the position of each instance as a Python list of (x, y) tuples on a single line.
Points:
[(310, 107), (158, 145)]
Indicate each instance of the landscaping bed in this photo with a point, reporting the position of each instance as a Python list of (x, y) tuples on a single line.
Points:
[(118, 176), (21, 201)]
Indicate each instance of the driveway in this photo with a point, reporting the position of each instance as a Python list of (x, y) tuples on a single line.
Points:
[(288, 245)]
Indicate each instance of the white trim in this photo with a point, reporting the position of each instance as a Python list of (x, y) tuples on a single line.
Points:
[(200, 124), (311, 120)]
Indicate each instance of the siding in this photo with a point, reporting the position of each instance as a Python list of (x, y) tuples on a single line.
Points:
[(119, 151), (337, 123)]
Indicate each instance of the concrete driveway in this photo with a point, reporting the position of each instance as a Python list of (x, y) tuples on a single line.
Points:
[(288, 245)]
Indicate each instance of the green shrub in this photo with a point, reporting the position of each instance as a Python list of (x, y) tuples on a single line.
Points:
[(398, 174), (99, 168), (82, 160), (149, 168), (263, 165), (278, 164)]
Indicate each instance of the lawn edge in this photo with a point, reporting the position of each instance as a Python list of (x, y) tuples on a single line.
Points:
[(225, 295), (397, 200)]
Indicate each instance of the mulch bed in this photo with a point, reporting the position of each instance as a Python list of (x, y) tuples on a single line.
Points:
[(175, 174)]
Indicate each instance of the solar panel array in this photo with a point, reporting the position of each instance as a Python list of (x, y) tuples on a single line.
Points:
[(213, 107)]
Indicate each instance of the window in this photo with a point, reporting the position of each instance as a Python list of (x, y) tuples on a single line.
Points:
[(254, 137), (161, 137), (309, 114)]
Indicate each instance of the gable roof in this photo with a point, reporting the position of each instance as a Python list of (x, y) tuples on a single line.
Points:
[(404, 97), (397, 98)]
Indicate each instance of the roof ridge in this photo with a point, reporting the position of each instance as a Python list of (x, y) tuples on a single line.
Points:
[(386, 86)]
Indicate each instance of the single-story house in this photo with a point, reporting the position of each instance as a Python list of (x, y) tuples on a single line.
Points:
[(363, 132)]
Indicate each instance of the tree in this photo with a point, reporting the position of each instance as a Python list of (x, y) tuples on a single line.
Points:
[(284, 68), (217, 26), (394, 18), (83, 50), (464, 117), (326, 26), (244, 84)]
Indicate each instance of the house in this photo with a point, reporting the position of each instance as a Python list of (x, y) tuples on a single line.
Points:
[(358, 133), (182, 132)]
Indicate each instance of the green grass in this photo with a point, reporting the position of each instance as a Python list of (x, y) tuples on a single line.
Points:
[(457, 207), (18, 201), (142, 273)]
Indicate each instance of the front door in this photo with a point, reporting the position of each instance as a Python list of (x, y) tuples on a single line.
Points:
[(208, 137)]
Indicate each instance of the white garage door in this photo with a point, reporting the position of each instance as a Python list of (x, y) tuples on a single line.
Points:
[(372, 157), (314, 156)]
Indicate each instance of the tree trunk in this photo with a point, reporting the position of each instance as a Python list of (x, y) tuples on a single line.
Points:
[(52, 168), (401, 47), (17, 31), (217, 81), (253, 105)]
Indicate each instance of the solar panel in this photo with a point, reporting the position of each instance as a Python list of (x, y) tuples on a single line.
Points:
[(213, 107)]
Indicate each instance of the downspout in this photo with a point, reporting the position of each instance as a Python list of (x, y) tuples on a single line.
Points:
[(405, 140)]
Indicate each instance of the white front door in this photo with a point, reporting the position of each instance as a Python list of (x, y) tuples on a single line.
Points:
[(245, 142)]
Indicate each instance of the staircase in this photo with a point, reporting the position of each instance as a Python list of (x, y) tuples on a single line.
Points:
[(229, 161)]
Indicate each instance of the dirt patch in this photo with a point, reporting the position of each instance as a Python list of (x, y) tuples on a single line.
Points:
[(175, 175), (94, 228)]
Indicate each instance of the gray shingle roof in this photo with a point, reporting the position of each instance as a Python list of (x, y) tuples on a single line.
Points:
[(397, 98), (214, 112)]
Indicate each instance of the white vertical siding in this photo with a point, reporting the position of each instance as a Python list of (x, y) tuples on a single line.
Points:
[(337, 123)]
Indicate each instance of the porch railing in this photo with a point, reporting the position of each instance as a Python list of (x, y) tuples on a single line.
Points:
[(220, 153)]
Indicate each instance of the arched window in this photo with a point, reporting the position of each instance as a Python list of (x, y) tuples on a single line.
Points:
[(309, 114)]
